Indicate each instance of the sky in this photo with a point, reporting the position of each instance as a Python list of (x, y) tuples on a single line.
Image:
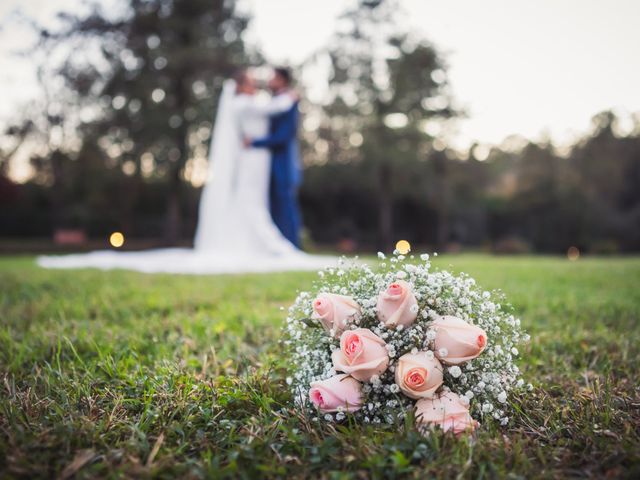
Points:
[(539, 69)]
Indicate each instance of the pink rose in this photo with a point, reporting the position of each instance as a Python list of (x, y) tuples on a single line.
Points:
[(462, 340), (397, 305), (362, 354), (335, 311), (417, 375), (446, 411), (340, 392)]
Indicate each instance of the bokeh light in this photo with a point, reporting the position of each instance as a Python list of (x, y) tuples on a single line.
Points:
[(116, 239), (158, 95), (573, 253), (403, 247)]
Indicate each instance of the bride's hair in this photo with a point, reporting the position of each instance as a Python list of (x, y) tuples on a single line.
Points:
[(240, 76)]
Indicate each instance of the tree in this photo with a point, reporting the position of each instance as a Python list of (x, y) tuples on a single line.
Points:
[(148, 77), (385, 86)]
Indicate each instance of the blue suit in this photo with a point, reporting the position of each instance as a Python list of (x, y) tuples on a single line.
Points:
[(286, 175)]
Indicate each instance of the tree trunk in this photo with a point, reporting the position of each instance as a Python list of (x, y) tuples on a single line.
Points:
[(173, 228), (134, 186), (442, 202), (385, 209), (173, 219), (57, 190)]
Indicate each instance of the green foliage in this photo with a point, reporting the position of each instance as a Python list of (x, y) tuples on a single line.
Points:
[(110, 374), (588, 198)]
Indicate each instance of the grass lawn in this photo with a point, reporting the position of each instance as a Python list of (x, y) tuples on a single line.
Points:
[(119, 373)]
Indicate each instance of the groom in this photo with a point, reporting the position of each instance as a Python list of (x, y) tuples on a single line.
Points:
[(285, 166)]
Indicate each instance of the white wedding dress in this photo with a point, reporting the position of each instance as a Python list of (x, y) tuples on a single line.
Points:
[(235, 232)]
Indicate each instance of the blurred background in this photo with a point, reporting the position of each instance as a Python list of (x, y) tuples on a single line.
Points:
[(499, 126)]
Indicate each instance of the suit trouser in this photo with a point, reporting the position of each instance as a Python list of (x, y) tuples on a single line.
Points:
[(285, 213)]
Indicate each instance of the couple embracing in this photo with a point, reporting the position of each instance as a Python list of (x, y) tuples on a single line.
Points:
[(248, 215), (249, 203)]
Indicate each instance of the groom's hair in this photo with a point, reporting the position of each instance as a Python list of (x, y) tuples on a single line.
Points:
[(284, 73)]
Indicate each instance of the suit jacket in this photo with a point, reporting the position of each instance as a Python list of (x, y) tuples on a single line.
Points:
[(282, 142)]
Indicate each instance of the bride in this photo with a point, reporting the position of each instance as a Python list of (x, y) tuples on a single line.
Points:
[(235, 232)]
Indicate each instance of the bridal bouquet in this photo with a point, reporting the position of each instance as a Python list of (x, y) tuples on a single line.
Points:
[(378, 344)]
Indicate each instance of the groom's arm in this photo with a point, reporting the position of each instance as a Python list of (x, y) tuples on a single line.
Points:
[(282, 135)]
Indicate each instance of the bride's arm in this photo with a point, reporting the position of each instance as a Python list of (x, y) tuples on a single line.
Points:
[(278, 104), (248, 107)]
